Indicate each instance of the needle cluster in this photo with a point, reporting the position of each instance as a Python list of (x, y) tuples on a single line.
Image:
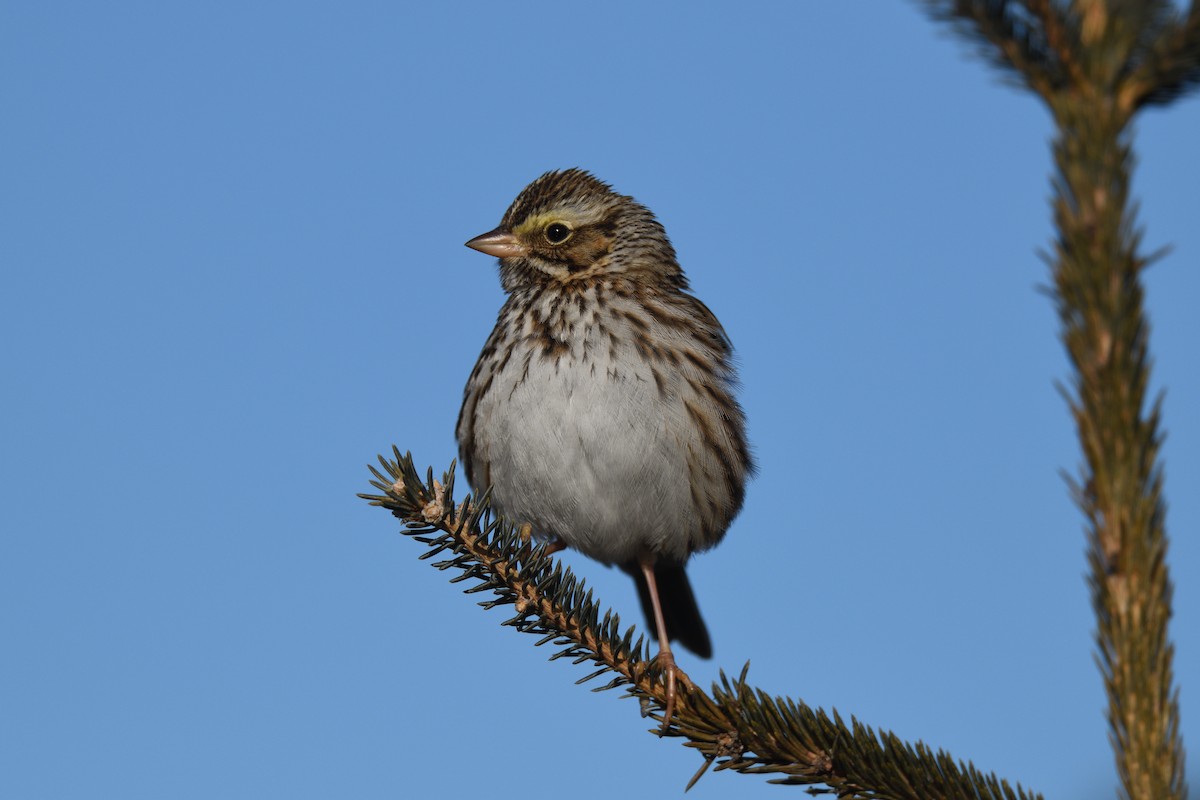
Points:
[(734, 727)]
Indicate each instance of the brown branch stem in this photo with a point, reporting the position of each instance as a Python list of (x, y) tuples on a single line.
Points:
[(735, 727)]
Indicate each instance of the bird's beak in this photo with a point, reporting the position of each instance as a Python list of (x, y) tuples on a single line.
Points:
[(499, 243)]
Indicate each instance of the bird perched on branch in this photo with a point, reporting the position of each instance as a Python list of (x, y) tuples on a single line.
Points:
[(601, 410)]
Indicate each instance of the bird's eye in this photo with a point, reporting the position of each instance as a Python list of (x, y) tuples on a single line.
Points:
[(557, 233)]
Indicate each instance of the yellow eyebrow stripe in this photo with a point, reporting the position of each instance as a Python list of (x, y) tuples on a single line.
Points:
[(539, 221)]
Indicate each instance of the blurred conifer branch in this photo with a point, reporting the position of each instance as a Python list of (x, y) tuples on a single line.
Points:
[(1096, 63), (736, 727)]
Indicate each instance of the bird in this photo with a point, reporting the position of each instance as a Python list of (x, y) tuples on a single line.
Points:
[(602, 410)]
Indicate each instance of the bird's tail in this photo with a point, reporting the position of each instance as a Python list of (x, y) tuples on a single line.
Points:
[(680, 612)]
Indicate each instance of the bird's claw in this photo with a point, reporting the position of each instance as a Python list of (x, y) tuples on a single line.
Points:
[(552, 546), (673, 676)]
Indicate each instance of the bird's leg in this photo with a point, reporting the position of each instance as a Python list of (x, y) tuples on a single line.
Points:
[(665, 658), (525, 531)]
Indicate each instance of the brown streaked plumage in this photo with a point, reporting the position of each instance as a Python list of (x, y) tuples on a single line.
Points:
[(601, 410)]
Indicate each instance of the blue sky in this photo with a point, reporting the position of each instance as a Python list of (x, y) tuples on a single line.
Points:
[(231, 239)]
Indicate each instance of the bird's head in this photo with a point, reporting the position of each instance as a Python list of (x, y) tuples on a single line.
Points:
[(568, 226)]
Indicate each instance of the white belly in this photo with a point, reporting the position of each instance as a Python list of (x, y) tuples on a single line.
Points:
[(591, 453)]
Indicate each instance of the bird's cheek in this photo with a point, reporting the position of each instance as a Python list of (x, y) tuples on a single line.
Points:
[(591, 251)]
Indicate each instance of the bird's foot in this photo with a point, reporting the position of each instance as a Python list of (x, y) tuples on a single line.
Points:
[(673, 677), (553, 545)]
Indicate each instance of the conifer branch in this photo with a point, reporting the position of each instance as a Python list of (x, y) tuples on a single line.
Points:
[(1098, 292), (735, 727), (1127, 57)]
